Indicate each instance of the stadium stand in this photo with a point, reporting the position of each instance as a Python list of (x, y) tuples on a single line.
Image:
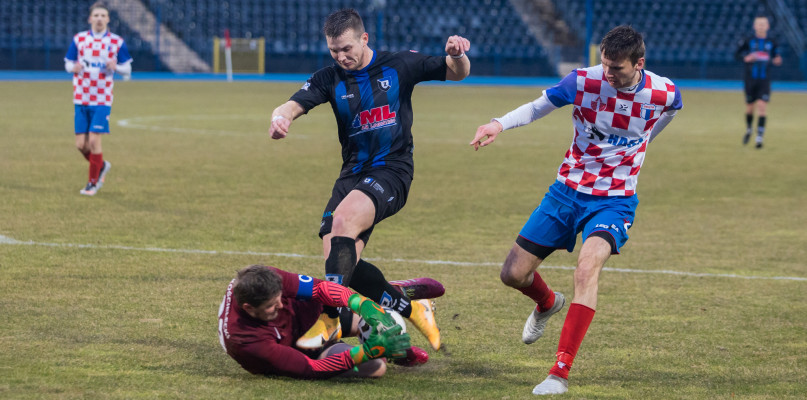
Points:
[(685, 38)]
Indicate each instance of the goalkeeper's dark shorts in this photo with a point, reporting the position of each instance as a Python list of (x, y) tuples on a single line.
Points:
[(388, 188)]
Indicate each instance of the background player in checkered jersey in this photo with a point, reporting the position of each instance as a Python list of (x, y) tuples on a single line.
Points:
[(758, 52), (93, 58), (618, 108), (370, 93)]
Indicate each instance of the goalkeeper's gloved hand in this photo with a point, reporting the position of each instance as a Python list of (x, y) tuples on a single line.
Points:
[(390, 343), (372, 313)]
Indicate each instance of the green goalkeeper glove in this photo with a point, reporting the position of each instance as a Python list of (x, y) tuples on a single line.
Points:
[(372, 313), (390, 343)]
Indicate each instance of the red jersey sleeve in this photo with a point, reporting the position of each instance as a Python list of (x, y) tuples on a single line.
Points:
[(304, 287), (275, 359), (331, 294)]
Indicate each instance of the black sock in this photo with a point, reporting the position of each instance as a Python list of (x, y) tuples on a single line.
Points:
[(761, 126), (346, 320), (749, 119), (340, 265), (369, 281)]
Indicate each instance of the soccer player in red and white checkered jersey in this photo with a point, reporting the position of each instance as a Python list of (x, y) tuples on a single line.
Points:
[(618, 108), (93, 58)]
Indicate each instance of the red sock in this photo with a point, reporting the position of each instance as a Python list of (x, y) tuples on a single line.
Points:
[(96, 163), (86, 155), (539, 292), (574, 330)]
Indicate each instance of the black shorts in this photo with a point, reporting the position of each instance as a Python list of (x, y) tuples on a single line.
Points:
[(757, 89), (387, 187)]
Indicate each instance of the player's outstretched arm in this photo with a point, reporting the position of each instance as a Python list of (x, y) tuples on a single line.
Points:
[(459, 66), (486, 134), (335, 295), (282, 117)]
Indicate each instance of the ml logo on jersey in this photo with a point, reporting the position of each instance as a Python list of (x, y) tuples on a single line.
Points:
[(647, 111), (384, 84), (375, 118), (617, 140)]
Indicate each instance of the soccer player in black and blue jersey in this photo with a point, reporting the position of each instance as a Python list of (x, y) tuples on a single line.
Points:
[(371, 96), (758, 52)]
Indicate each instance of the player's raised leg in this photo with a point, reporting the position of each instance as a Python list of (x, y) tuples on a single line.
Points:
[(354, 214)]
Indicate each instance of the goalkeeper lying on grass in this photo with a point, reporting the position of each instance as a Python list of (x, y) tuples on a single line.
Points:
[(265, 311)]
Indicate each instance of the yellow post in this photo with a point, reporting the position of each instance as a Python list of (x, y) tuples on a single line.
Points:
[(261, 55), (594, 55)]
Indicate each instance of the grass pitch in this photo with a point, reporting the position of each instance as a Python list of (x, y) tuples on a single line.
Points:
[(116, 296)]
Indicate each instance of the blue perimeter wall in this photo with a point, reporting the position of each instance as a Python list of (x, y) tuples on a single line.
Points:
[(788, 86)]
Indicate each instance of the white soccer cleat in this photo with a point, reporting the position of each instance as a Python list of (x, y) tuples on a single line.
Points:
[(102, 175), (89, 190), (551, 385), (536, 322)]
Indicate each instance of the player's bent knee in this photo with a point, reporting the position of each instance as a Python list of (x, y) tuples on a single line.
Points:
[(510, 278)]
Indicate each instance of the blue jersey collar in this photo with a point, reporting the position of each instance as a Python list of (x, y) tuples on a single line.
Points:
[(638, 86), (99, 35), (364, 70)]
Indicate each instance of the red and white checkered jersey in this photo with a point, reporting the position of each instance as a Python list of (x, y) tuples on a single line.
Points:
[(611, 129), (93, 85)]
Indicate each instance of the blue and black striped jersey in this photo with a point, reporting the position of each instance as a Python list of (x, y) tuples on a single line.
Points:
[(765, 49), (373, 107)]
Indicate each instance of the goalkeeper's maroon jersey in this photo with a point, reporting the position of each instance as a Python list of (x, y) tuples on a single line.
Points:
[(268, 347)]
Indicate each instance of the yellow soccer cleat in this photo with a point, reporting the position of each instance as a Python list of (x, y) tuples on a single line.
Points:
[(325, 330), (423, 319)]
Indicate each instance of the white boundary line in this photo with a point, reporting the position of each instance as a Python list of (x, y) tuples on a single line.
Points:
[(5, 240)]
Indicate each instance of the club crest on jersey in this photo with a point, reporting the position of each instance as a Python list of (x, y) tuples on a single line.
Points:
[(384, 84), (647, 111), (378, 117), (598, 104)]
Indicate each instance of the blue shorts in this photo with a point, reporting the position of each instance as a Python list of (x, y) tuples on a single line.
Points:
[(565, 212), (93, 119)]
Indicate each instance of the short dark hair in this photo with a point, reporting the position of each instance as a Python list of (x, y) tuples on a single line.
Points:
[(623, 42), (98, 4), (255, 284), (340, 21)]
